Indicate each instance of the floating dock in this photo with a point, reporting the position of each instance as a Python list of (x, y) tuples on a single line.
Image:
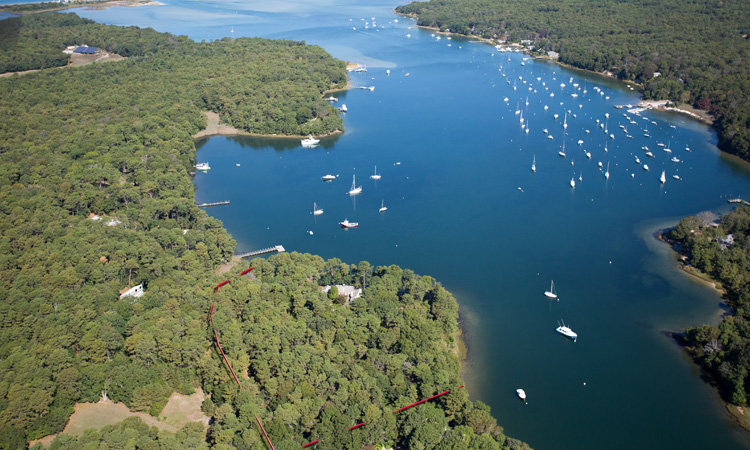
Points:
[(203, 205), (277, 248)]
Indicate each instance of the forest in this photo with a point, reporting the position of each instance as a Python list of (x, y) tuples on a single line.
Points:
[(724, 349), (113, 141), (695, 53)]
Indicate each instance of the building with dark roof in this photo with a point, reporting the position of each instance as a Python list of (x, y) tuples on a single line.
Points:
[(85, 50)]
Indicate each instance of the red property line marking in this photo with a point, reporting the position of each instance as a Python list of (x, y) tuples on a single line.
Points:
[(425, 400), (264, 432), (394, 412), (216, 336)]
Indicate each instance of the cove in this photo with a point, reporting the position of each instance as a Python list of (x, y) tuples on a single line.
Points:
[(453, 154)]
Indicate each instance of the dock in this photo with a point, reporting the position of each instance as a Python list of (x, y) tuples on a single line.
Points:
[(203, 205), (276, 248)]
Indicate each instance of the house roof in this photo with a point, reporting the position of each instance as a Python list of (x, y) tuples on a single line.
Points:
[(86, 50)]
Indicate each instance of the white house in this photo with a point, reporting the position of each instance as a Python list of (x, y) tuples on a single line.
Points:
[(349, 291), (135, 291)]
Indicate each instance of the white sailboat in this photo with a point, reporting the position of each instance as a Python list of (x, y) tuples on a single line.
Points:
[(606, 174), (562, 152), (317, 211), (355, 190), (566, 331), (580, 177), (375, 175), (551, 293), (383, 208), (533, 164)]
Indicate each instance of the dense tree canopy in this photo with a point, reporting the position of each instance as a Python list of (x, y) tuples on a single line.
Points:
[(113, 141), (723, 349), (692, 52)]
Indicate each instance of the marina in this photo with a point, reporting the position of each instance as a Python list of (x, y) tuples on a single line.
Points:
[(464, 181)]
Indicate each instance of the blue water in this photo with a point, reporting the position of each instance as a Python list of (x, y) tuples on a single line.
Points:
[(465, 208)]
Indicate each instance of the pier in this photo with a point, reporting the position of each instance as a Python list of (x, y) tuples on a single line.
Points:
[(202, 205), (277, 248)]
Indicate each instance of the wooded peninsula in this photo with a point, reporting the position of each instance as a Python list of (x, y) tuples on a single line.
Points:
[(96, 196), (696, 53)]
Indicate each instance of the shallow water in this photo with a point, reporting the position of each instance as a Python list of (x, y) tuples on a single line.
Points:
[(465, 208)]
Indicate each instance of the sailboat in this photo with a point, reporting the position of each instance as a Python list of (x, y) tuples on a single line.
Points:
[(606, 174), (317, 211), (663, 177), (355, 190), (533, 164), (551, 293), (566, 331), (382, 206), (562, 152), (375, 175), (565, 121), (580, 177)]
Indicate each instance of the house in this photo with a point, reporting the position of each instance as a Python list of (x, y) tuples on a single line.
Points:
[(350, 292), (86, 50), (135, 291)]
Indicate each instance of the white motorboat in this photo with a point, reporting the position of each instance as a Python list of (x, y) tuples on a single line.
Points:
[(202, 166), (551, 293), (521, 394), (344, 108), (328, 177), (663, 177), (355, 189), (566, 331), (317, 211), (645, 167), (375, 175), (310, 142), (383, 208), (573, 182), (347, 224)]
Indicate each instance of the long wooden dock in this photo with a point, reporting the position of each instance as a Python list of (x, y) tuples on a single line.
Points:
[(202, 205), (277, 248)]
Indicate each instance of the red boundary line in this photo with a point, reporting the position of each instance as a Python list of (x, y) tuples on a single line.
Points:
[(264, 433), (216, 336)]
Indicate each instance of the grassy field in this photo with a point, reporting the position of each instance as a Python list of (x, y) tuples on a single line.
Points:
[(180, 410)]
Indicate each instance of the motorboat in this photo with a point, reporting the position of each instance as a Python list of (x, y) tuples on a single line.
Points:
[(663, 177), (202, 166), (566, 331), (310, 142), (521, 394), (328, 177), (347, 224)]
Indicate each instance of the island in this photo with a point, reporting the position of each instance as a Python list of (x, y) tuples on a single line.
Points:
[(109, 268)]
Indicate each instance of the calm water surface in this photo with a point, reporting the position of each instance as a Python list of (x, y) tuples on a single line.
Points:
[(464, 207)]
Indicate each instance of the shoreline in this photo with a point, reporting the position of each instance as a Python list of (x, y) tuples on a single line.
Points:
[(737, 413), (89, 5), (688, 110)]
